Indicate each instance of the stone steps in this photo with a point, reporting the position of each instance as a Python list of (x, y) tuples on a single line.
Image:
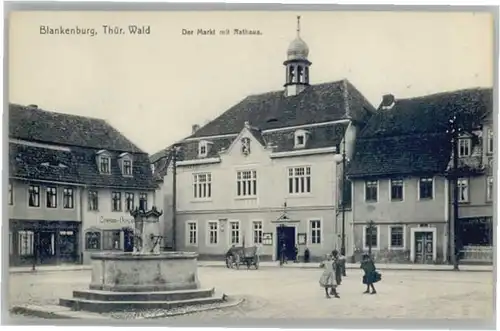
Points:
[(98, 306), (54, 312), (98, 295)]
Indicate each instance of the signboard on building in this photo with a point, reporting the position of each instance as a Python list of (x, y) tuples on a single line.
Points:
[(119, 220)]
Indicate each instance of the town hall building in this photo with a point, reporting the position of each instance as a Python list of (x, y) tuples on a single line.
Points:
[(266, 172)]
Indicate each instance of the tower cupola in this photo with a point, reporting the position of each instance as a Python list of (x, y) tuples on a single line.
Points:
[(297, 65)]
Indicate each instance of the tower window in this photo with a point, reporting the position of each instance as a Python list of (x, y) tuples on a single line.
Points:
[(291, 74), (300, 75)]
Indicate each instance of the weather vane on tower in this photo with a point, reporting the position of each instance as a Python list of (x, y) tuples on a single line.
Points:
[(298, 25)]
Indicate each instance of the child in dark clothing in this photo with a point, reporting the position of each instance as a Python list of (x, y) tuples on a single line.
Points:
[(371, 275)]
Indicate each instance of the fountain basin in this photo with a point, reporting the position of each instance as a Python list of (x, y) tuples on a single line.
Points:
[(139, 272)]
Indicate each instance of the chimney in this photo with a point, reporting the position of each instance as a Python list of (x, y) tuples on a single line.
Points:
[(32, 106), (195, 128), (388, 101)]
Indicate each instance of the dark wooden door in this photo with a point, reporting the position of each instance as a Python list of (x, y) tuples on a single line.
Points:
[(424, 247), (286, 241), (68, 246)]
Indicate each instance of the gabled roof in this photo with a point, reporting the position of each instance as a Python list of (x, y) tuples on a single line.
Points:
[(317, 103), (411, 138), (34, 124), (29, 162), (282, 141)]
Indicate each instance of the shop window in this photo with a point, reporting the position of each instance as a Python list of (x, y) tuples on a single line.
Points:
[(93, 240)]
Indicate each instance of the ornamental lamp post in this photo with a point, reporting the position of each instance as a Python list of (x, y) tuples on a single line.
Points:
[(454, 131), (342, 159), (371, 226)]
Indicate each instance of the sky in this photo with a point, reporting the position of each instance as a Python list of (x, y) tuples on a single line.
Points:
[(154, 87)]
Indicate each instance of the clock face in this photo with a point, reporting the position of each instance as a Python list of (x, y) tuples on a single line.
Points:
[(245, 146)]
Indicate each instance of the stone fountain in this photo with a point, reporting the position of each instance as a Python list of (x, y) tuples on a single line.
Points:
[(143, 279)]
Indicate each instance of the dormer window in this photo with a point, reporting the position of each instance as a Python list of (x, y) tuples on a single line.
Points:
[(300, 138), (126, 164), (104, 165), (203, 148), (464, 147), (104, 162)]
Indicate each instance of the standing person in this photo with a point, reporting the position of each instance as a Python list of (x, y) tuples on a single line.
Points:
[(371, 275), (337, 266), (282, 254), (342, 261), (327, 277)]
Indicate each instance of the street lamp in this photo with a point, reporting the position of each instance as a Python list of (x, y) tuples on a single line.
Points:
[(454, 130), (341, 158), (370, 227)]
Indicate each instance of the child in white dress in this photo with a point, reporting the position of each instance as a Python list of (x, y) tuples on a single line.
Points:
[(327, 280)]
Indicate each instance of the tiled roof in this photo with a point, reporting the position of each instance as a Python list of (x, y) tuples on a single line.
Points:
[(317, 103), (411, 137), (35, 124), (78, 166), (283, 141)]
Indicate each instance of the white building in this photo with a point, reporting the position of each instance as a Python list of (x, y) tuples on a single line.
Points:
[(236, 174)]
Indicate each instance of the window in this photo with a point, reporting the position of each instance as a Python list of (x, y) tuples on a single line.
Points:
[(299, 180), (93, 240), (127, 167), (11, 195), (93, 200), (104, 167), (397, 189), (246, 183), (300, 138), (489, 188), (371, 190), (129, 201), (315, 231), (34, 196), (143, 201), (490, 143), (235, 233), (463, 190), (202, 149), (26, 242), (202, 186), (257, 232), (425, 187), (51, 197), (116, 201), (111, 239), (396, 236), (68, 198), (464, 147), (192, 233), (371, 236), (213, 233)]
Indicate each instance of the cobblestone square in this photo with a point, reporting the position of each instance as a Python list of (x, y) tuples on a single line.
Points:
[(295, 293)]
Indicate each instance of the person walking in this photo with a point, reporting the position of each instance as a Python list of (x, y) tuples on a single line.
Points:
[(327, 277), (371, 275)]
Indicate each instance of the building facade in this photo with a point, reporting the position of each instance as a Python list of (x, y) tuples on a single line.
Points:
[(401, 176), (72, 181), (264, 173), (476, 191)]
